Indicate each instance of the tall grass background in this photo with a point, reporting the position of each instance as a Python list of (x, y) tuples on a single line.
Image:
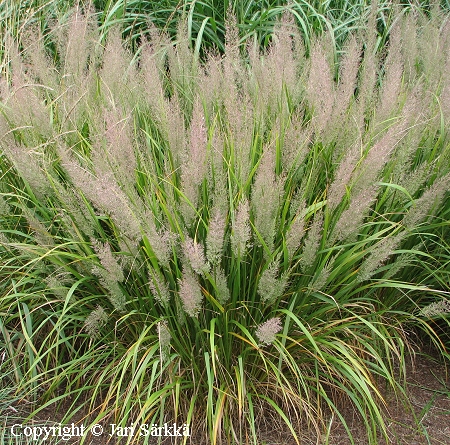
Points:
[(252, 235), (206, 20)]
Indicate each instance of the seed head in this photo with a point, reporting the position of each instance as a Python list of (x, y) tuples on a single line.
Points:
[(190, 293), (267, 331)]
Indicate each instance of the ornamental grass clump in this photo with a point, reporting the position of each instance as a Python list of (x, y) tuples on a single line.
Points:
[(220, 253)]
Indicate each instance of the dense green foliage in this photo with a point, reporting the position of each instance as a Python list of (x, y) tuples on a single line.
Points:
[(206, 20), (215, 241)]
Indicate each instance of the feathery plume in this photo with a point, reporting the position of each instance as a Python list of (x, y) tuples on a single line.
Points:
[(368, 171), (117, 71), (78, 45), (240, 230), (27, 162), (25, 100), (195, 256), (402, 260), (431, 199), (3, 239), (73, 207), (319, 282), (223, 293), (113, 270), (109, 274), (30, 168), (237, 102), (437, 308), (79, 61), (407, 147), (351, 219), (198, 141), (175, 131), (164, 338), (190, 293), (57, 284), (389, 96), (279, 69), (240, 117), (409, 46), (445, 95), (119, 139), (194, 167), (348, 74), (266, 195), (295, 144), (320, 86), (267, 331), (243, 138), (215, 237), (151, 70), (286, 39), (183, 66), (341, 125), (381, 253), (433, 44), (40, 64), (216, 173), (103, 191), (40, 233), (5, 209), (270, 288), (344, 172), (368, 77), (159, 289), (231, 67), (131, 249), (115, 293), (232, 59), (312, 242), (95, 321), (211, 83), (295, 233), (160, 240), (414, 180)]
